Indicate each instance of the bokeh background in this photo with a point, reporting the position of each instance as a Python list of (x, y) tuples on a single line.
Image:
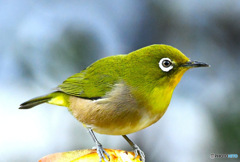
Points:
[(44, 42)]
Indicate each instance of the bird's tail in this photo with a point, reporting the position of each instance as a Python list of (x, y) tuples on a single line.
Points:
[(56, 98)]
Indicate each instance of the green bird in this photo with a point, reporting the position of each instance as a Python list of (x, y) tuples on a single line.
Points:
[(122, 94)]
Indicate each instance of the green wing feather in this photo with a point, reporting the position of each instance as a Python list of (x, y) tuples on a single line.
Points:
[(95, 81)]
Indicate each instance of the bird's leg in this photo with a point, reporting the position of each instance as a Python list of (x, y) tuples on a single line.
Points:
[(100, 149), (137, 150)]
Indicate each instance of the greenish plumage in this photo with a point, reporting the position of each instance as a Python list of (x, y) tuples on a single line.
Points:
[(137, 69), (122, 94), (135, 84), (60, 98), (96, 80)]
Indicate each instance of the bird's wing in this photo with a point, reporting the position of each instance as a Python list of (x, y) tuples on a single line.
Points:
[(95, 81)]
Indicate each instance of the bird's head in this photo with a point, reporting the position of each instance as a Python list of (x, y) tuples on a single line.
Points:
[(164, 63)]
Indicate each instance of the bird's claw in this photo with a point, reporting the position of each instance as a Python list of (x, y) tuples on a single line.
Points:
[(101, 152), (138, 151)]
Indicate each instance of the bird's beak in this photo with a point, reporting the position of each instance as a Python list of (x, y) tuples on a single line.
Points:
[(193, 64)]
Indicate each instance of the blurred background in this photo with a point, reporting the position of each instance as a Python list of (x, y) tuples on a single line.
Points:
[(44, 42)]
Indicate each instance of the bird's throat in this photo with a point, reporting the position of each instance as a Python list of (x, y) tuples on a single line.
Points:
[(161, 95)]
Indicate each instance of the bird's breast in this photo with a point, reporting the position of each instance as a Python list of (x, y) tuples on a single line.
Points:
[(117, 113)]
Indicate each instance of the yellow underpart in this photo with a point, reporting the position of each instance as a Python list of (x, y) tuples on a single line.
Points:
[(160, 99), (161, 96), (59, 100)]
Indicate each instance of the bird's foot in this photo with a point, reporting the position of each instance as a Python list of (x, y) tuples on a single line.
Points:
[(101, 153), (138, 151)]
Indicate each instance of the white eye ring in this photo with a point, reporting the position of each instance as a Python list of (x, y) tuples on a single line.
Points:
[(165, 64)]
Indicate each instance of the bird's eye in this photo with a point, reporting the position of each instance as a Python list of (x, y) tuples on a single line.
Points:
[(165, 64)]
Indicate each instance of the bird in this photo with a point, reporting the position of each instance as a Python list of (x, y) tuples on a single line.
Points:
[(121, 94)]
